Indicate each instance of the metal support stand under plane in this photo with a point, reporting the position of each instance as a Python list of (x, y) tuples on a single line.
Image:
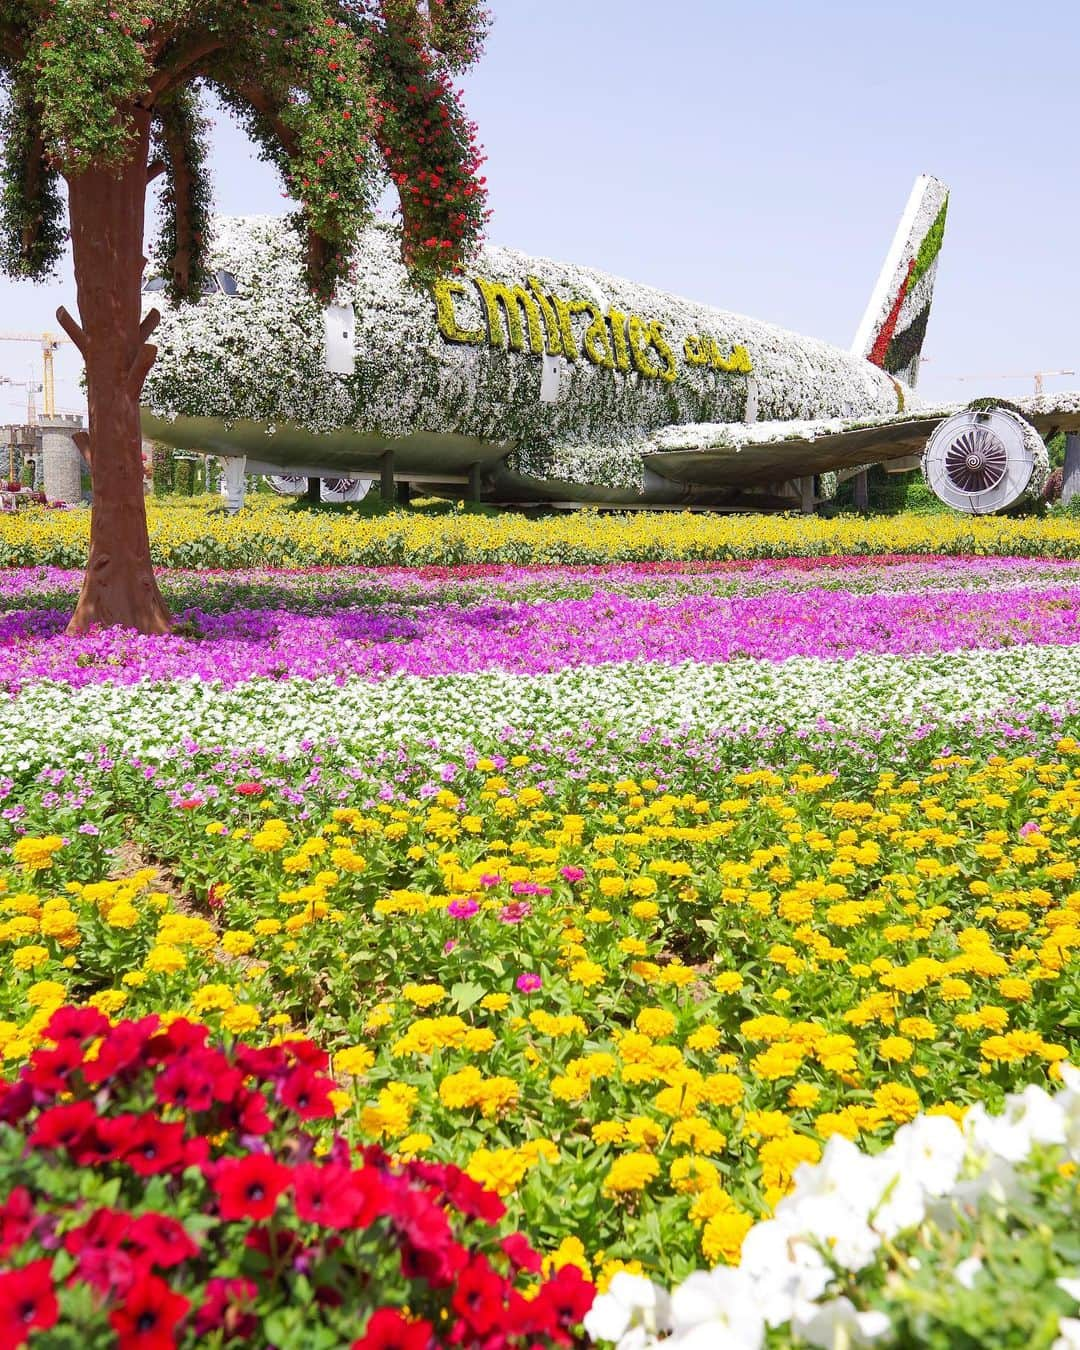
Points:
[(1070, 482), (386, 477), (233, 483)]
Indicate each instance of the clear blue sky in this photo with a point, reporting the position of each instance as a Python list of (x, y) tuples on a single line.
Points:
[(757, 156)]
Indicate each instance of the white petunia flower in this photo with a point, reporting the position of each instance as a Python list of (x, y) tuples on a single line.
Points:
[(717, 1308), (632, 1309)]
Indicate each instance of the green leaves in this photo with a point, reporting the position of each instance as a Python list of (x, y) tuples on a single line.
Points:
[(336, 96)]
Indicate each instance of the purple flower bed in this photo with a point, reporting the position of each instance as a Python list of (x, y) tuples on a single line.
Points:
[(340, 640)]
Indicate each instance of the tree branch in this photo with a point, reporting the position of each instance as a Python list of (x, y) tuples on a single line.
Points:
[(140, 367), (155, 169), (149, 324), (72, 329), (177, 70), (82, 444)]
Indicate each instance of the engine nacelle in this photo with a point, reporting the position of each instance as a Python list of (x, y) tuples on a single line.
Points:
[(982, 461)]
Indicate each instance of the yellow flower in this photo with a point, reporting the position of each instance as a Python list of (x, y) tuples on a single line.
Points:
[(501, 1170), (29, 958), (495, 1002), (165, 959), (1015, 989), (212, 998), (423, 995), (630, 1172), (108, 1001), (723, 1235), (895, 1048), (586, 973), (354, 1060), (237, 943), (36, 854), (656, 1023), (803, 1095), (243, 1017), (46, 994)]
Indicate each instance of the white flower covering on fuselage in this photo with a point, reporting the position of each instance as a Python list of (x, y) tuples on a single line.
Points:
[(258, 356)]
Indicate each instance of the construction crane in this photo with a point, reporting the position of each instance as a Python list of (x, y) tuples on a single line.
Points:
[(32, 388), (1037, 375), (49, 342)]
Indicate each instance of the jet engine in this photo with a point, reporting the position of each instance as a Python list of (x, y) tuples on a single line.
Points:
[(985, 459)]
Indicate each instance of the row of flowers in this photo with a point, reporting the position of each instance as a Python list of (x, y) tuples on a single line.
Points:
[(863, 712), (629, 1003), (535, 635), (271, 533)]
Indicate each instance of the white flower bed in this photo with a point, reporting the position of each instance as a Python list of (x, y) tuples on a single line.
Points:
[(49, 721), (844, 1214)]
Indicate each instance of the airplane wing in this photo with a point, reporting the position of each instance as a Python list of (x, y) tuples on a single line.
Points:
[(731, 454)]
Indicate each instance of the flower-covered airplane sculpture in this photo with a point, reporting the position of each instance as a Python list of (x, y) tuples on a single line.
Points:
[(536, 381)]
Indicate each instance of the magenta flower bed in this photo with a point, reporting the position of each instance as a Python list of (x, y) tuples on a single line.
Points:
[(336, 637)]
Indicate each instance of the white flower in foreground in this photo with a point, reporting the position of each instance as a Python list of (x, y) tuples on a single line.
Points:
[(632, 1310), (1030, 1117), (1071, 1287), (967, 1271), (717, 1308), (836, 1322), (785, 1269), (1070, 1334), (931, 1149)]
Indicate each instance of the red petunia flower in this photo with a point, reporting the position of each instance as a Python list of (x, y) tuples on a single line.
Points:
[(161, 1240), (27, 1302), (479, 1296), (227, 1308), (248, 1187), (63, 1126), (388, 1329), (17, 1219), (179, 1038), (308, 1094), (520, 1254), (101, 1260), (333, 1195), (49, 1069), (75, 1024), (147, 1144), (190, 1082), (122, 1049), (149, 1316)]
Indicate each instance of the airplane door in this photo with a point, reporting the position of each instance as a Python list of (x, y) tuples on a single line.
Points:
[(339, 339)]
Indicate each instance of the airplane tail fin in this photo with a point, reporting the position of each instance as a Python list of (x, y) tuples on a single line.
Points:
[(894, 325)]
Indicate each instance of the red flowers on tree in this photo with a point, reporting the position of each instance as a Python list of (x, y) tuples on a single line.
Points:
[(224, 1212)]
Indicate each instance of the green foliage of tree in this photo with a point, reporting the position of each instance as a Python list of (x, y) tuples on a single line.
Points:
[(340, 96)]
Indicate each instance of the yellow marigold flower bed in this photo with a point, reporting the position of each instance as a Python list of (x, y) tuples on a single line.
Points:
[(644, 1075), (272, 533)]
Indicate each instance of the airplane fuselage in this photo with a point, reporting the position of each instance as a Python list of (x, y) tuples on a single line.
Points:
[(549, 377)]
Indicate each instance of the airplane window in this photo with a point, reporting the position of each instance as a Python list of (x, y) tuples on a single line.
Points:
[(153, 284), (227, 282)]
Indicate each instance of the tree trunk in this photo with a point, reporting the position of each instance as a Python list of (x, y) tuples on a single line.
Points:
[(106, 211)]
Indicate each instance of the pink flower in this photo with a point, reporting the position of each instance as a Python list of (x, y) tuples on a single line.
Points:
[(490, 879), (462, 909), (528, 983), (449, 946), (520, 909), (572, 874)]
